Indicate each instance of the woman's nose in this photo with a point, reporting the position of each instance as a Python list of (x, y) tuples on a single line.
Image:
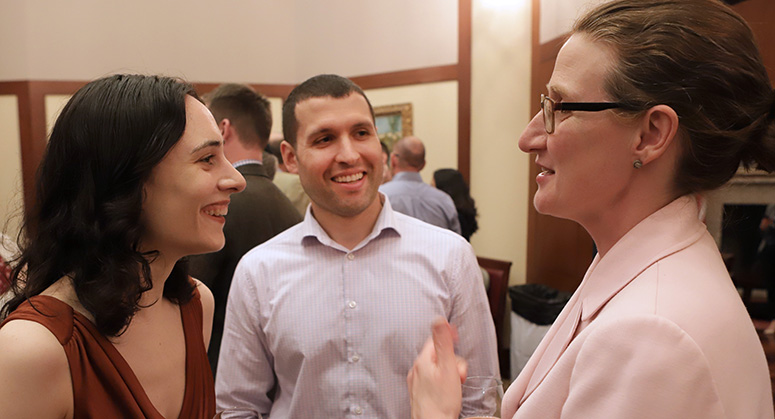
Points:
[(232, 181), (533, 138)]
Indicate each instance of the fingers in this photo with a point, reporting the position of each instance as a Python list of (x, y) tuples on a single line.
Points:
[(443, 341), (462, 369)]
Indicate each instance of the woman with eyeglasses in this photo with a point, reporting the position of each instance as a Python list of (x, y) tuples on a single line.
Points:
[(651, 103), (105, 321)]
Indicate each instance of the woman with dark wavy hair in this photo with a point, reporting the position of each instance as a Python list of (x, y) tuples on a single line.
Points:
[(105, 321), (451, 181)]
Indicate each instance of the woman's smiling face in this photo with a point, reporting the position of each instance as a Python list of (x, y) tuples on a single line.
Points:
[(187, 194)]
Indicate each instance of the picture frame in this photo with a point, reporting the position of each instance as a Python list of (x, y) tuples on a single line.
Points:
[(393, 122)]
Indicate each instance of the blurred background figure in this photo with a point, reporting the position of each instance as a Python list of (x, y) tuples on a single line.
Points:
[(451, 181), (407, 192), (387, 175), (765, 262), (288, 183)]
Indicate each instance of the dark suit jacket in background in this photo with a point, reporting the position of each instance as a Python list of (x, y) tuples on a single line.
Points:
[(257, 214)]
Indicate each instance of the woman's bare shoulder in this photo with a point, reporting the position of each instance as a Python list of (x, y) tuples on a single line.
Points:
[(208, 308), (33, 363)]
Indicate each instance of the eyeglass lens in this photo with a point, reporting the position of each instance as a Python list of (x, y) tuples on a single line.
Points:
[(547, 107)]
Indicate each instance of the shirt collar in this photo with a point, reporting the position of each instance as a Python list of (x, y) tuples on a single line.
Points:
[(245, 161), (408, 176), (312, 231)]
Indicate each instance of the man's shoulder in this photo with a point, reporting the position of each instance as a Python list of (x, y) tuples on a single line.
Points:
[(285, 241)]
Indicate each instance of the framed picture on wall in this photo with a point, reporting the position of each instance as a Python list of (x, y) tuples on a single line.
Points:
[(393, 122)]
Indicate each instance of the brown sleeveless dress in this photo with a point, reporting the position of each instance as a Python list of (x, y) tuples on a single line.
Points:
[(104, 386)]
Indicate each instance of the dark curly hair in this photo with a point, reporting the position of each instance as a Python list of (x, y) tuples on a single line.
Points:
[(699, 57), (86, 220)]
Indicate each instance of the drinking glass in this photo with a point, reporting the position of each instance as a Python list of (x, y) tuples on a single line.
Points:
[(484, 395), (236, 412)]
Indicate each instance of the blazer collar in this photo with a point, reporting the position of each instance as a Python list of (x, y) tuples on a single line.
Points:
[(669, 230)]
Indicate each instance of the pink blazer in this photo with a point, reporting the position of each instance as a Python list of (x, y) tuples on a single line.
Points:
[(655, 330)]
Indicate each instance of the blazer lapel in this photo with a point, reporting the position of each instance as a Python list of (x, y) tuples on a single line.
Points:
[(669, 230), (555, 348)]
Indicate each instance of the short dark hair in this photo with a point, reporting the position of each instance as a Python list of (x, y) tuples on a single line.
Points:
[(323, 85), (248, 111), (699, 57), (86, 220)]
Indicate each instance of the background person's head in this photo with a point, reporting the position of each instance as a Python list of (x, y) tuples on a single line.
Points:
[(451, 181), (699, 58), (239, 107), (408, 155), (87, 220)]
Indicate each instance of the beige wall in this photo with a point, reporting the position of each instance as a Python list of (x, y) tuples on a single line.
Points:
[(245, 41), (499, 113), (434, 106), (53, 105), (11, 197), (557, 16)]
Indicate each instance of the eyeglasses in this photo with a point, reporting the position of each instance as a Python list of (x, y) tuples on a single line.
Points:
[(548, 106)]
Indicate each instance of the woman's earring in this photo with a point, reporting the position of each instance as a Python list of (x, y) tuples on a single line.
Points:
[(637, 164)]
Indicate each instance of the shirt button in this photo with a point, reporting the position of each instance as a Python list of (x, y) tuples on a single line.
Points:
[(355, 358), (352, 304), (357, 410), (350, 256)]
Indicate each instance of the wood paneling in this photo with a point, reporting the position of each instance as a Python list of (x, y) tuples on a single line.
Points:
[(270, 90), (760, 14), (32, 123), (464, 90), (407, 77)]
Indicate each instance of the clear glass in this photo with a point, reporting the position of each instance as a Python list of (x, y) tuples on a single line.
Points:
[(547, 108), (238, 413), (490, 394)]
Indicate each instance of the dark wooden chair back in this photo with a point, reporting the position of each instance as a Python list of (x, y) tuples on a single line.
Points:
[(499, 271)]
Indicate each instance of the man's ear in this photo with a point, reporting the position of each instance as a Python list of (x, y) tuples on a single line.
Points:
[(394, 159), (227, 130), (659, 128), (289, 157)]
